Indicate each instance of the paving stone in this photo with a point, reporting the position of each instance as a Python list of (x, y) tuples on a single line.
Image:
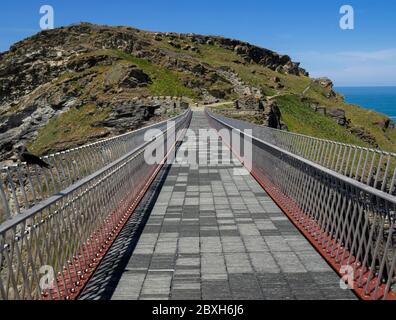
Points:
[(214, 233), (288, 262), (245, 287)]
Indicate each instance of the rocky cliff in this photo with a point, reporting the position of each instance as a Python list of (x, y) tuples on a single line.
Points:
[(68, 86), (104, 70)]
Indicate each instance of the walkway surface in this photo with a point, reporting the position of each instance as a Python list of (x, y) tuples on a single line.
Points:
[(212, 233)]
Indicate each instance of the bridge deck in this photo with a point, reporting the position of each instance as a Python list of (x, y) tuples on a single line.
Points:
[(211, 234)]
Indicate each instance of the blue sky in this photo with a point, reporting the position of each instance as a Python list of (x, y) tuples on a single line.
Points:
[(307, 30)]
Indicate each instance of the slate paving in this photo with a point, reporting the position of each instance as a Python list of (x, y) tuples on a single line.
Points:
[(212, 232)]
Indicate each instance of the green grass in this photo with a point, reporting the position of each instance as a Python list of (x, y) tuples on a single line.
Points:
[(214, 55), (260, 76), (368, 119), (164, 44), (75, 126), (225, 105), (300, 118), (165, 82), (71, 128)]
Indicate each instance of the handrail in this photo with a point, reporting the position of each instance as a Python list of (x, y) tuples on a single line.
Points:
[(374, 167), (23, 186), (53, 199), (345, 179), (350, 223)]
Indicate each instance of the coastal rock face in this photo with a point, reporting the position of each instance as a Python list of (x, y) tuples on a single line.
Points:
[(364, 135), (272, 115), (58, 73), (43, 57), (252, 53), (385, 124), (127, 114), (126, 76), (249, 103), (328, 85), (241, 88), (337, 114), (265, 111)]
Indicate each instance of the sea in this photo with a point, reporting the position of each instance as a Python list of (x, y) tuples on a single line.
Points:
[(381, 99)]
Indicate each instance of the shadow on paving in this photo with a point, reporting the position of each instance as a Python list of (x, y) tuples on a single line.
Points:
[(105, 279)]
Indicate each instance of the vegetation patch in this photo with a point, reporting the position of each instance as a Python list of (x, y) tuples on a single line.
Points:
[(300, 118), (71, 128), (165, 82)]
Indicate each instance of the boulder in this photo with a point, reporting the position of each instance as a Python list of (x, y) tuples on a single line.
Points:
[(218, 93), (385, 124), (322, 110), (194, 48), (275, 79), (272, 115), (82, 63), (135, 77), (364, 135), (338, 115), (249, 102), (126, 76), (266, 111), (157, 37), (328, 85), (199, 69), (241, 50), (175, 45)]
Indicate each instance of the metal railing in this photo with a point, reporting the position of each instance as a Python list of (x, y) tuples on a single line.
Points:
[(23, 186), (373, 167), (351, 224), (65, 235)]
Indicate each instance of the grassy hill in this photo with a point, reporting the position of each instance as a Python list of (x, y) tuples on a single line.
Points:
[(64, 87)]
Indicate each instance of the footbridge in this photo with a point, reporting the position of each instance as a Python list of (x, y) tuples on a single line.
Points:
[(177, 211)]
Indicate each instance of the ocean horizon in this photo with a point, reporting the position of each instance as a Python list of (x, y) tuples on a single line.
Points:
[(381, 99)]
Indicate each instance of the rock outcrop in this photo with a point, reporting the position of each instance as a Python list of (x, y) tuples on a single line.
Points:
[(127, 114), (241, 88), (252, 53), (337, 114), (265, 111), (250, 103), (364, 135), (115, 69), (328, 85), (385, 124)]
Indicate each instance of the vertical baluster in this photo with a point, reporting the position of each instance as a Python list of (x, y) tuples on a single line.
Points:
[(365, 165), (353, 162), (359, 163), (58, 160), (335, 153), (22, 186), (32, 187), (347, 164), (370, 174), (386, 172), (379, 164), (4, 205), (392, 185)]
